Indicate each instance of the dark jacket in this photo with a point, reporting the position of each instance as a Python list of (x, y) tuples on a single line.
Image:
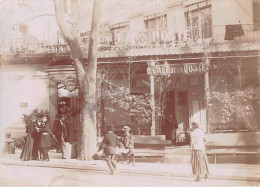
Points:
[(45, 138), (57, 129), (109, 143), (30, 127)]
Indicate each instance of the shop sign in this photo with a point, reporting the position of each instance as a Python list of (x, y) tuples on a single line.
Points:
[(167, 69), (147, 37), (70, 83)]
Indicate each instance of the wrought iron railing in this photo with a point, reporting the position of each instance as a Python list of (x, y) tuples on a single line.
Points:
[(129, 39)]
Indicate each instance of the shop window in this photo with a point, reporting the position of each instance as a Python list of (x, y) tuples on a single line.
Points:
[(218, 83), (256, 14), (139, 84)]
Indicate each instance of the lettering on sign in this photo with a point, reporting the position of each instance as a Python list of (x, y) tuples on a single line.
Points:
[(166, 69), (146, 37)]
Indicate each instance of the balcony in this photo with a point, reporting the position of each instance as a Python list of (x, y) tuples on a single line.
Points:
[(191, 40), (37, 44), (138, 43)]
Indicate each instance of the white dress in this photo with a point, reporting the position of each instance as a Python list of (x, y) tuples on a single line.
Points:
[(199, 160)]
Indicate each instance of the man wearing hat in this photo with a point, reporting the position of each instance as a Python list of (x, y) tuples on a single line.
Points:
[(128, 142), (111, 143)]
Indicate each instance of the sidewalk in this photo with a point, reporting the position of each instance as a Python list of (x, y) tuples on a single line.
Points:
[(217, 171)]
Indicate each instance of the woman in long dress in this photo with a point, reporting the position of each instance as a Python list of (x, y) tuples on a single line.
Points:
[(28, 147), (199, 160)]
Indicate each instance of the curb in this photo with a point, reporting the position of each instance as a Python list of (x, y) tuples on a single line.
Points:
[(97, 168)]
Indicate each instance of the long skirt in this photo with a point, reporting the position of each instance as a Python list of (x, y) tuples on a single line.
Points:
[(199, 162), (27, 149)]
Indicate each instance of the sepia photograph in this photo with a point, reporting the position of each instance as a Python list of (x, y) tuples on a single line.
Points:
[(130, 93)]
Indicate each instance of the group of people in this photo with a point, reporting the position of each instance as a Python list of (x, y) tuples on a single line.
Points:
[(38, 140), (111, 143)]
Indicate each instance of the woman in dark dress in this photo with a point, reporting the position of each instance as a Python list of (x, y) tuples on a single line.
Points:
[(28, 147), (58, 133), (45, 139)]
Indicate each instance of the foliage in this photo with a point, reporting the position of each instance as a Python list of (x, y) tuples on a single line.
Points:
[(135, 105), (34, 116), (119, 98), (244, 103)]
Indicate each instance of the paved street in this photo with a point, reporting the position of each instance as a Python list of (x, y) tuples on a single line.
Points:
[(38, 176)]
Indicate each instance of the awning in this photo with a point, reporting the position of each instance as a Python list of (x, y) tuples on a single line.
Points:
[(192, 2), (154, 13)]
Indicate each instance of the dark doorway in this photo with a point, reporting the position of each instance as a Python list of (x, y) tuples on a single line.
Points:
[(68, 106), (175, 117), (169, 121)]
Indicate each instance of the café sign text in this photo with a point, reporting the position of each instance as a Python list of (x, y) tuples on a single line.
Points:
[(166, 69)]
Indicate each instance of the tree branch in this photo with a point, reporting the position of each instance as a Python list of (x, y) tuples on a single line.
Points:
[(60, 17), (67, 31), (95, 27)]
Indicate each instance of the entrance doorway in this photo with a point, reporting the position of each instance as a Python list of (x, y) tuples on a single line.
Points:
[(68, 105), (175, 119)]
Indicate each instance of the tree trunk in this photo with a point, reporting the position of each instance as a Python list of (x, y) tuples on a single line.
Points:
[(86, 78)]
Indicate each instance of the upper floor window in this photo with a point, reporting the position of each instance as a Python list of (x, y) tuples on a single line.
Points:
[(200, 23), (256, 12), (156, 23), (119, 35)]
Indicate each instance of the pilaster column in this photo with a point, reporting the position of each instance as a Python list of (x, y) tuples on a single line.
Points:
[(53, 94), (152, 101)]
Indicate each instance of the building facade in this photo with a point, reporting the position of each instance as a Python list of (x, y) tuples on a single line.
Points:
[(168, 58)]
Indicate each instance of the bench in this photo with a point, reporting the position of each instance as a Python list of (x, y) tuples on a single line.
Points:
[(233, 144), (147, 146)]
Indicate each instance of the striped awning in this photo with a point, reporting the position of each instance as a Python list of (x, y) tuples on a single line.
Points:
[(192, 2)]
